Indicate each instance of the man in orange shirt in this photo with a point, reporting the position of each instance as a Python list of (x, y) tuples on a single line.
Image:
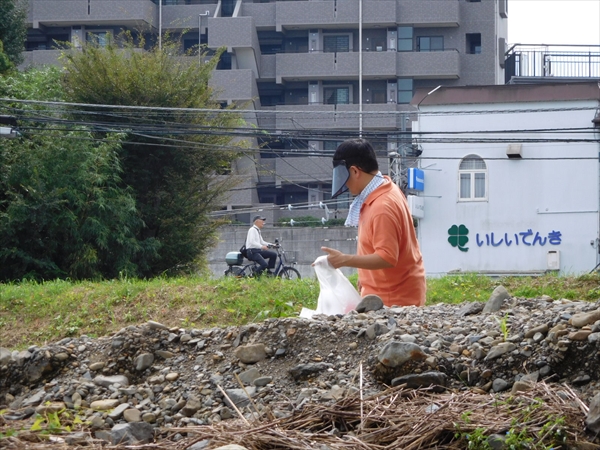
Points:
[(388, 258)]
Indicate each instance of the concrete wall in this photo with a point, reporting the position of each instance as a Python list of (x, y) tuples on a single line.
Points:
[(302, 244)]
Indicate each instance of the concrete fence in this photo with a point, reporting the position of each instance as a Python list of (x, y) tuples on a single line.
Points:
[(302, 245)]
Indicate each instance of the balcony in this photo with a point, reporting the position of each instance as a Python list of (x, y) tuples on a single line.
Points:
[(234, 85), (343, 117), (304, 169), (524, 63), (263, 13), (40, 58), (181, 17), (302, 15), (99, 12), (331, 66), (428, 65), (428, 13)]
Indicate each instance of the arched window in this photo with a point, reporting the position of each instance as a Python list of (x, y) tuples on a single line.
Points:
[(472, 179)]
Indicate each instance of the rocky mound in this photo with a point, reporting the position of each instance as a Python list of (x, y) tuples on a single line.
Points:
[(146, 380)]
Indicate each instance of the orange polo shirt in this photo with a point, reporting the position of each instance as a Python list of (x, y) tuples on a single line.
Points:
[(385, 227)]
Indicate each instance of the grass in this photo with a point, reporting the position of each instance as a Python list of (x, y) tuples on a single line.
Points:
[(38, 313)]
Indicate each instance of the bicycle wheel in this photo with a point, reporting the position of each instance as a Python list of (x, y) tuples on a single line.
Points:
[(289, 273), (234, 271)]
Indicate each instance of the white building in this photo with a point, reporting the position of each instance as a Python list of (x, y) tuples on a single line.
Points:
[(512, 178)]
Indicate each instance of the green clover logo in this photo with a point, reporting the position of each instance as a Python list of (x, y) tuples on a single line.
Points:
[(458, 237)]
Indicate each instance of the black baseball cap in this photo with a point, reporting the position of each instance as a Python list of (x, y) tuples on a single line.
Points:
[(258, 217)]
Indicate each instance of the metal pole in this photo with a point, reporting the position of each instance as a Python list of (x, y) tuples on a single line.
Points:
[(200, 32), (160, 24), (360, 70)]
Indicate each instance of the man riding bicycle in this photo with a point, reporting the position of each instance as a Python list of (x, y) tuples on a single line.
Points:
[(257, 248)]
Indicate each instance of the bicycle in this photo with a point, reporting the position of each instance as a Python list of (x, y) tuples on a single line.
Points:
[(237, 268)]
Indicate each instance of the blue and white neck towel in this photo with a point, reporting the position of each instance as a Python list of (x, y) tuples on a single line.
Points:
[(354, 212)]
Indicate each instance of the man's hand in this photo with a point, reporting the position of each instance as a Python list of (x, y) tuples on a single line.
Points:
[(336, 258)]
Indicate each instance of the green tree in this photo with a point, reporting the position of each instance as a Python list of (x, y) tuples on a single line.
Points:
[(13, 28), (171, 158), (63, 211), (5, 64)]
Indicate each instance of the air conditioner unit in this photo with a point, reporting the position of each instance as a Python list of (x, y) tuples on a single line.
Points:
[(514, 151)]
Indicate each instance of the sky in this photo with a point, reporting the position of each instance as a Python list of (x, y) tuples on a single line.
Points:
[(569, 22)]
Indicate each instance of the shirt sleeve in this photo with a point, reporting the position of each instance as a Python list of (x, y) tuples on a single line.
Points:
[(387, 239)]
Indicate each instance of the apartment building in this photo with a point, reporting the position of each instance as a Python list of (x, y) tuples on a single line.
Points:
[(313, 72)]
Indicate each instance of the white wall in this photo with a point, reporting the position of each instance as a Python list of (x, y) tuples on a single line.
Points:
[(542, 195)]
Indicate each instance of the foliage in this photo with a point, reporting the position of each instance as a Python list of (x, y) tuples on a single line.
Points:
[(13, 29), (5, 64), (171, 158), (33, 312), (473, 287), (63, 212), (309, 221)]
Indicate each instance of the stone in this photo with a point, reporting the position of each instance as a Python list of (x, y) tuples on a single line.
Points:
[(262, 381), (132, 433), (470, 309), (521, 386), (303, 371), (250, 354), (395, 354), (103, 405), (434, 380), (592, 420), (132, 415), (499, 385), (200, 445), (496, 300), (172, 376), (368, 303), (5, 356), (157, 326), (191, 407), (582, 319), (105, 381), (247, 377), (239, 397), (51, 407), (499, 350), (376, 329), (96, 366), (143, 361), (118, 411), (149, 417)]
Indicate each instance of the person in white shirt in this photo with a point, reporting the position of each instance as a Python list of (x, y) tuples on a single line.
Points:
[(257, 248)]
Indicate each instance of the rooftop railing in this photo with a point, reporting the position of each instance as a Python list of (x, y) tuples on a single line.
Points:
[(558, 61)]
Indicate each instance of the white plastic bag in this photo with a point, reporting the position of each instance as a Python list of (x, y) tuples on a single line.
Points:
[(337, 295)]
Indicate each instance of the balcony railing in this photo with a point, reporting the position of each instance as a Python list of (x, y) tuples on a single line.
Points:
[(556, 61)]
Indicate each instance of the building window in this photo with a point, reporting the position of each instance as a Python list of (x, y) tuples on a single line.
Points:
[(99, 38), (405, 90), (430, 43), (336, 43), (405, 39), (331, 146), (336, 95), (474, 43), (472, 179)]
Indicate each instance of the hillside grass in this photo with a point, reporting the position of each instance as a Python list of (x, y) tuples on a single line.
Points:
[(38, 313)]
